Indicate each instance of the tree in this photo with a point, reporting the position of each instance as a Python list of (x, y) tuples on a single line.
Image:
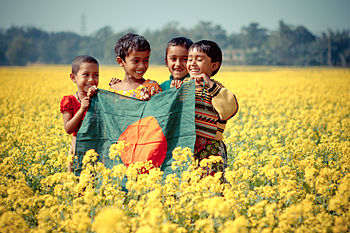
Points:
[(289, 45), (64, 47), (254, 36), (20, 52), (338, 47), (207, 31)]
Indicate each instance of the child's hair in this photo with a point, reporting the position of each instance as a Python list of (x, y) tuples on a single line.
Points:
[(178, 41), (212, 49), (80, 60), (130, 42)]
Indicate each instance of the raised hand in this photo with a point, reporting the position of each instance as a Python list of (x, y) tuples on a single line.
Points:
[(85, 103), (145, 97), (114, 81), (176, 83), (203, 77), (92, 91)]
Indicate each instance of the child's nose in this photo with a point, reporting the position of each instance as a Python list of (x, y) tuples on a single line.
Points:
[(91, 78), (143, 64)]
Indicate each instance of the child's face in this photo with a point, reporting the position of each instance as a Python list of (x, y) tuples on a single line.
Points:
[(86, 77), (199, 63), (176, 61), (135, 64)]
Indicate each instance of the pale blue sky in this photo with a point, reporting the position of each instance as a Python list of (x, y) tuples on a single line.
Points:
[(65, 15)]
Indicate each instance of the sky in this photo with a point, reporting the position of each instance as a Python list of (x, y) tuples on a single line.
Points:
[(67, 15)]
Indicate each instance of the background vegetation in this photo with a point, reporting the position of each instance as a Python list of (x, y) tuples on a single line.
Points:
[(288, 45)]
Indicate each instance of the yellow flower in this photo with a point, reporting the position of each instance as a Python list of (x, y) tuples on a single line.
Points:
[(12, 222), (110, 219)]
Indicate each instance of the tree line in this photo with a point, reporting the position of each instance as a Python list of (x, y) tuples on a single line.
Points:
[(288, 45)]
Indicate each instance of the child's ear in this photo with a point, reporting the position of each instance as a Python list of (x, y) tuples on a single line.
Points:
[(120, 61), (215, 65), (72, 77)]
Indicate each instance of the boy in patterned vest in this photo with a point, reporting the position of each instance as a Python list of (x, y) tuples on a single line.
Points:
[(214, 103)]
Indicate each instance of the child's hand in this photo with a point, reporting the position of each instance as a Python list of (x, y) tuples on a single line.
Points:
[(92, 91), (85, 103), (176, 83), (114, 81), (199, 80), (145, 97)]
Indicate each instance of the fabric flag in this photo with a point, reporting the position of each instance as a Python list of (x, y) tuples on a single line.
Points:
[(152, 129)]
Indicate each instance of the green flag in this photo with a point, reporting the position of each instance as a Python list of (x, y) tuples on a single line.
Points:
[(151, 128)]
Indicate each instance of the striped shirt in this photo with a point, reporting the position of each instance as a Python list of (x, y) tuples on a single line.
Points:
[(213, 108)]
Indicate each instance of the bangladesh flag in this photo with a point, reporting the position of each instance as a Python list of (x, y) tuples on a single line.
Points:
[(151, 128)]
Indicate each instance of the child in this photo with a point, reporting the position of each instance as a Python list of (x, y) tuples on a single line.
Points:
[(214, 103), (132, 53), (176, 55), (85, 73)]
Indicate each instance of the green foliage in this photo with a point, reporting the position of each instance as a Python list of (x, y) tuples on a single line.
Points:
[(288, 45), (20, 51)]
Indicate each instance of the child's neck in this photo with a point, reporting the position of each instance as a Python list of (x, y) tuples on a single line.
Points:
[(81, 95), (130, 82)]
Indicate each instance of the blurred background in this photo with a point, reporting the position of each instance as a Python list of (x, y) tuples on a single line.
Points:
[(250, 32)]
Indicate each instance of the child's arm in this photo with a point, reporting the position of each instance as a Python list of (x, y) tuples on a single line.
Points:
[(71, 123), (224, 101)]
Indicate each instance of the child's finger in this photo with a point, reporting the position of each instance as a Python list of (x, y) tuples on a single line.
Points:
[(179, 84), (145, 97), (173, 83)]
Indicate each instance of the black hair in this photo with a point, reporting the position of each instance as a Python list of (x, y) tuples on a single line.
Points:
[(212, 49), (78, 60), (130, 42), (178, 41)]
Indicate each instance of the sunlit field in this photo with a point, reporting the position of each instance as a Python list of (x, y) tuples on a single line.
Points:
[(288, 149)]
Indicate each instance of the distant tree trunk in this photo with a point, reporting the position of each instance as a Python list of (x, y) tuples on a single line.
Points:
[(329, 51), (342, 60)]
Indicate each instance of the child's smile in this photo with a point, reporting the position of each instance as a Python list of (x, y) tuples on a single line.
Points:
[(199, 63), (87, 76), (176, 61), (135, 64)]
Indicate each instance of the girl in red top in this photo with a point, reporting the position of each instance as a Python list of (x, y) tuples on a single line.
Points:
[(85, 73)]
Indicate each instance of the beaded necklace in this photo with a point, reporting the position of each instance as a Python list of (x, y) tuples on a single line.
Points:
[(78, 97)]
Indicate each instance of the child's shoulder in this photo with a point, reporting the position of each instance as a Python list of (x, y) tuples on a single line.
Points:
[(149, 81), (217, 83), (68, 98), (152, 85), (68, 102)]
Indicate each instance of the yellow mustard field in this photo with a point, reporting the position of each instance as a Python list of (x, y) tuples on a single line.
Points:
[(288, 160)]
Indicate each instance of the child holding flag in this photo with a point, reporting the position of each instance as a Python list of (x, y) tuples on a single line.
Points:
[(132, 53), (214, 103), (176, 56), (85, 73)]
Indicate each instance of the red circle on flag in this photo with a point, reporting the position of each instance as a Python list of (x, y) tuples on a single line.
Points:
[(145, 141)]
